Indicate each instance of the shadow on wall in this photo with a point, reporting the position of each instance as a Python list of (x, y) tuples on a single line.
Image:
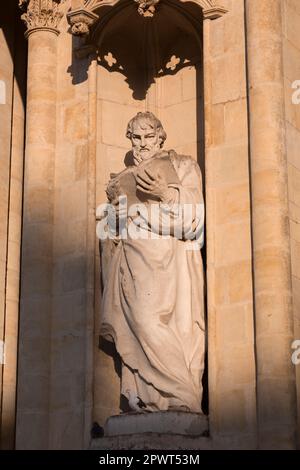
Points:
[(141, 49), (13, 30)]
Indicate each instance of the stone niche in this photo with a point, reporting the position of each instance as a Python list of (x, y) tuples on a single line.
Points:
[(143, 63)]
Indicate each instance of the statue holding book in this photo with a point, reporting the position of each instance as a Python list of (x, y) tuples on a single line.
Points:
[(153, 294)]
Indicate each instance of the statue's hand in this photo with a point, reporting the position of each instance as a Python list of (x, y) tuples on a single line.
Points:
[(155, 185)]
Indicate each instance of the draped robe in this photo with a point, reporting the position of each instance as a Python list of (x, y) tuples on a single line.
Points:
[(153, 302)]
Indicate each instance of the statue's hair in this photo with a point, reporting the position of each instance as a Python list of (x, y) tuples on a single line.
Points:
[(147, 119)]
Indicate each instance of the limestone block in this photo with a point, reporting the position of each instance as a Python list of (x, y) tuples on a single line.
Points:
[(172, 88), (35, 324), (217, 38), (112, 87), (293, 5), (39, 164), (294, 184), (39, 205), (291, 61), (234, 33), (278, 390), (164, 422), (234, 326), (295, 231), (68, 353), (38, 435), (230, 164), (34, 391), (232, 203), (267, 193), (180, 123), (37, 241), (34, 351), (221, 286), (69, 312), (267, 224), (238, 366), (232, 405), (275, 322), (70, 203), (270, 263), (81, 161), (37, 279), (152, 441), (11, 333), (189, 79), (69, 273), (70, 237), (75, 125), (295, 249), (14, 227), (112, 128), (42, 128), (294, 211), (13, 284), (296, 303), (235, 118), (228, 76), (240, 282), (292, 21), (293, 144), (217, 124), (232, 243)]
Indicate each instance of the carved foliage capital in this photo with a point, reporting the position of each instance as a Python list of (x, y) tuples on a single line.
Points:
[(41, 14)]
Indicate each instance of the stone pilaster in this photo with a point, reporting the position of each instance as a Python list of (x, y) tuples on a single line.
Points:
[(270, 226), (41, 18)]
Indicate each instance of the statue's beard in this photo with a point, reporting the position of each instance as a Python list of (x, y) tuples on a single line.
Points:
[(140, 155)]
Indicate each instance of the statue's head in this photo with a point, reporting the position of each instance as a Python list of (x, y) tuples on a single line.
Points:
[(147, 135)]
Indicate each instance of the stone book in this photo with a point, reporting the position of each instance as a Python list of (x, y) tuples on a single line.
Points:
[(124, 183)]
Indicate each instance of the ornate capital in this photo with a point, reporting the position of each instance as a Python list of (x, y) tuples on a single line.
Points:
[(41, 14)]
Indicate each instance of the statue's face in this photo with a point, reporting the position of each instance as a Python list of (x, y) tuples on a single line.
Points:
[(145, 141)]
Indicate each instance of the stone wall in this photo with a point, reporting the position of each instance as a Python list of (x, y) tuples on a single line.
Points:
[(12, 105), (231, 370), (77, 113), (291, 53)]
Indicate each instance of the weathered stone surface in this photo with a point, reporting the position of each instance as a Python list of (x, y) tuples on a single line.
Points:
[(162, 422), (152, 441)]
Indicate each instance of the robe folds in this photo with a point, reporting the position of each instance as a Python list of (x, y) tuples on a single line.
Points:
[(153, 307)]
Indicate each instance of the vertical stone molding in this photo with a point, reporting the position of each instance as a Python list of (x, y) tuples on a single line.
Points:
[(270, 226), (41, 18)]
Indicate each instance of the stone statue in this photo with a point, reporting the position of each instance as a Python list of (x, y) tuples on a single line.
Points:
[(153, 294)]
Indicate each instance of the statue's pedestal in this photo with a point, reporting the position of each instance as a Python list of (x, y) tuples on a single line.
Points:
[(162, 422), (159, 430)]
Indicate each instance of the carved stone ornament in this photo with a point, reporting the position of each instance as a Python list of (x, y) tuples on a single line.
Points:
[(41, 14), (146, 8), (81, 21), (84, 13)]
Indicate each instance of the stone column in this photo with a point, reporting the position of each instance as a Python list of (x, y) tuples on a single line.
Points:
[(270, 226), (42, 18)]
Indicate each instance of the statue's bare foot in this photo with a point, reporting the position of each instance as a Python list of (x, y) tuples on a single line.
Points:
[(135, 403)]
